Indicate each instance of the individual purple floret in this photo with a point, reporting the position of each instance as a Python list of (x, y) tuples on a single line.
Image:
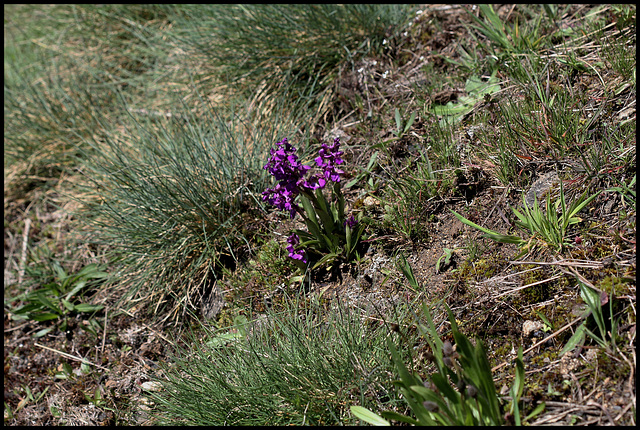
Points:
[(282, 198), (284, 165), (328, 159), (289, 173), (294, 240), (351, 222)]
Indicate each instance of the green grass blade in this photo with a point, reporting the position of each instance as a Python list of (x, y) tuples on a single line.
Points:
[(489, 233)]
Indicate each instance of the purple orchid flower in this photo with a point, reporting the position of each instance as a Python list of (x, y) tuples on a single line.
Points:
[(293, 241)]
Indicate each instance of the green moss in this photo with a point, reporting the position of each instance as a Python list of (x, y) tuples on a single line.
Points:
[(257, 278), (481, 269), (541, 292), (615, 285)]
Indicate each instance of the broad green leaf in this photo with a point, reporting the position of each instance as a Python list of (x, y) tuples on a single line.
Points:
[(445, 389), (592, 299), (311, 220), (517, 387), (410, 122), (61, 275), (324, 212), (309, 243), (43, 332), (579, 206), (83, 307), (90, 271), (27, 308), (85, 368), (68, 305), (46, 316), (476, 89), (327, 258), (489, 233), (366, 415), (223, 339), (575, 340), (405, 376), (337, 193), (544, 319), (421, 390), (476, 86), (390, 415), (504, 238), (538, 409), (352, 182), (451, 109), (42, 299), (79, 286)]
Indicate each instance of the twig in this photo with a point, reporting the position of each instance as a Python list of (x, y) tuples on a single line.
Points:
[(157, 333), (556, 417), (574, 272), (16, 327), (504, 194), (104, 332), (72, 357), (572, 263), (23, 256), (624, 410), (603, 409), (527, 286)]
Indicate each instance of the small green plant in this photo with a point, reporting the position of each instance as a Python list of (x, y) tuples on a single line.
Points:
[(460, 391), (448, 253), (474, 249), (97, 398), (366, 173), (625, 15), (549, 226), (65, 372), (406, 196), (516, 40), (546, 226), (406, 220), (626, 190), (407, 271), (605, 337), (58, 298), (403, 127), (30, 397), (476, 89)]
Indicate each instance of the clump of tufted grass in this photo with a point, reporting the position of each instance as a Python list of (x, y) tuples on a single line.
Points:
[(291, 367)]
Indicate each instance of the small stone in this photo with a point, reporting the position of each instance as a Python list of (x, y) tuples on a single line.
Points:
[(528, 327), (151, 386), (567, 365), (430, 406), (145, 404), (370, 201), (336, 132)]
